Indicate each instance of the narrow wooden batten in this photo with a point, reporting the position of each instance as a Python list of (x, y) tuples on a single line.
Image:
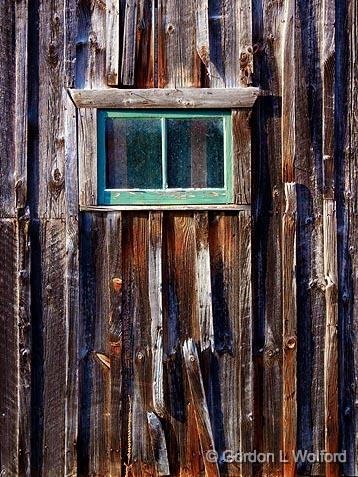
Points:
[(185, 98)]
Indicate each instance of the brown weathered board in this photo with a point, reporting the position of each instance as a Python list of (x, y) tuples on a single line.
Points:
[(97, 303)]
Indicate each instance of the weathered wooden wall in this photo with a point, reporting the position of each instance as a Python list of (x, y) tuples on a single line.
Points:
[(98, 372)]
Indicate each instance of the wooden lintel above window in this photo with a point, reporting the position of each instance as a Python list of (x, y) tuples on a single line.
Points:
[(225, 98)]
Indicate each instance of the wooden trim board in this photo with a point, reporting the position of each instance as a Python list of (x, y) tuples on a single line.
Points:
[(185, 98)]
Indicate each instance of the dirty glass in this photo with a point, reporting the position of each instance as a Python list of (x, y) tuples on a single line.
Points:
[(195, 153), (133, 153)]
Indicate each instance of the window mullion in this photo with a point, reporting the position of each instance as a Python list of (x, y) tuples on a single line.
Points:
[(164, 153)]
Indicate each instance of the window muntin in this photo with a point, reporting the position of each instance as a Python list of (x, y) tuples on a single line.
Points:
[(164, 157)]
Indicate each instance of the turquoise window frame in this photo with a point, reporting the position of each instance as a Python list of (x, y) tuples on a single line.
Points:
[(166, 196)]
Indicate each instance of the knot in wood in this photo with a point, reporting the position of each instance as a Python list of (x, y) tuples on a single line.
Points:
[(192, 358), (117, 284), (291, 342), (140, 355), (56, 182), (170, 29), (52, 54)]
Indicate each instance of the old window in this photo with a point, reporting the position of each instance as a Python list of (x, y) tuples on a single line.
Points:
[(163, 148), (164, 157)]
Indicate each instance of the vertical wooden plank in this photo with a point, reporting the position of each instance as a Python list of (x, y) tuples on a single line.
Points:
[(21, 34), (267, 158), (350, 284), (180, 323), (288, 238), (7, 108), (329, 236), (137, 337), (245, 338), (94, 423), (203, 279), (9, 352), (24, 343), (87, 155), (129, 43), (115, 285), (199, 404), (178, 62), (156, 309), (225, 380), (52, 236), (242, 156), (146, 39), (289, 312), (112, 41), (91, 45), (202, 32), (158, 444)]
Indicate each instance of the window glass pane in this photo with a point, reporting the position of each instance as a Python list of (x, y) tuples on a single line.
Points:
[(133, 153), (195, 155)]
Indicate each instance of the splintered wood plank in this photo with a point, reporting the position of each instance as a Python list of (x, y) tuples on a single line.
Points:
[(129, 42), (225, 373), (289, 311), (180, 322), (91, 45), (159, 446), (94, 413), (9, 350), (112, 41), (202, 32), (52, 252), (87, 156), (25, 343), (156, 309), (136, 319), (178, 97), (198, 401), (8, 104)]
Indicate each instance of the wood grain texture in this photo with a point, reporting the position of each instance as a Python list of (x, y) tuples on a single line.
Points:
[(21, 99), (7, 109), (9, 350), (329, 236), (112, 41), (137, 339), (202, 32), (156, 309), (289, 312), (267, 200), (52, 252), (198, 401), (183, 98), (129, 43), (25, 343), (146, 40), (203, 279), (159, 446), (349, 266), (225, 405), (242, 156), (87, 156)]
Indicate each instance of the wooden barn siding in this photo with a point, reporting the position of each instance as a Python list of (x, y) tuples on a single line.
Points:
[(90, 380)]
